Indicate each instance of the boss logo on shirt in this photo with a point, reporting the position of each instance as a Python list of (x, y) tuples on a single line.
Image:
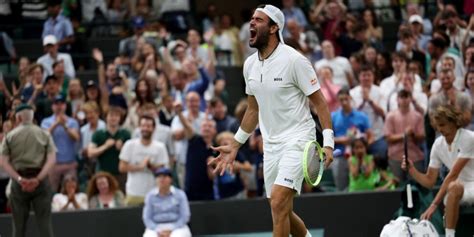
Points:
[(278, 79), (288, 180)]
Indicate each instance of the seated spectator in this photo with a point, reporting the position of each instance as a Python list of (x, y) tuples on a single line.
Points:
[(307, 40), (34, 81), (231, 186), (416, 28), (93, 124), (65, 133), (329, 89), (75, 97), (166, 113), (143, 95), (410, 48), (290, 11), (374, 33), (103, 192), (195, 50), (384, 66), (58, 26), (457, 188), (60, 74), (107, 143), (166, 211), (50, 44), (419, 101), (449, 63), (362, 174), (44, 96), (413, 9), (127, 46), (440, 51), (400, 123), (343, 75), (139, 158), (69, 199), (348, 124)]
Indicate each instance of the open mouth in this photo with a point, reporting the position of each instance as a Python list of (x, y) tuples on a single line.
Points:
[(253, 33)]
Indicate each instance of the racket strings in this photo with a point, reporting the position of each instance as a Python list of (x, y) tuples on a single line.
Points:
[(313, 163)]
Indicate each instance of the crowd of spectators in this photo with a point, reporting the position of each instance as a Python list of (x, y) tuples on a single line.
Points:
[(162, 100)]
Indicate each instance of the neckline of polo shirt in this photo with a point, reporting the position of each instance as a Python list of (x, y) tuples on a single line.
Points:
[(259, 59)]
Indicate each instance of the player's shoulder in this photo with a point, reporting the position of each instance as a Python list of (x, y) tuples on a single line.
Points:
[(291, 53), (251, 59), (467, 136)]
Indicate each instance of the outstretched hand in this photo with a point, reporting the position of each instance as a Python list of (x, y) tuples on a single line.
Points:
[(226, 158)]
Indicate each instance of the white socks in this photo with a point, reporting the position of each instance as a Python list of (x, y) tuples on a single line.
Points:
[(309, 235), (450, 232)]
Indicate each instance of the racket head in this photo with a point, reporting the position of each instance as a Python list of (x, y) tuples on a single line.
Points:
[(313, 163)]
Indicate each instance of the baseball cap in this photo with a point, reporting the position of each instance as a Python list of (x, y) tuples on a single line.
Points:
[(22, 107), (91, 83), (163, 171), (138, 22), (415, 18), (276, 15), (49, 39), (59, 98)]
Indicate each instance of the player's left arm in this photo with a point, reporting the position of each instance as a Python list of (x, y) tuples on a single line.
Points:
[(324, 116)]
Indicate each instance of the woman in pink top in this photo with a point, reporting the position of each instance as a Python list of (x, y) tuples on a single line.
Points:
[(329, 89)]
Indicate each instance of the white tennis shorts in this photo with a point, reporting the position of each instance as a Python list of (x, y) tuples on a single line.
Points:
[(282, 165), (468, 194)]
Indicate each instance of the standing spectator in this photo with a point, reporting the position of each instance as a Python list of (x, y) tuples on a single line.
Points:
[(166, 113), (419, 98), (413, 9), (448, 63), (290, 11), (193, 114), (449, 95), (59, 26), (166, 211), (103, 192), (470, 91), (139, 158), (162, 133), (107, 143), (343, 75), (63, 79), (44, 96), (143, 95), (52, 55), (307, 40), (404, 122), (195, 50), (69, 199), (76, 99), (440, 51), (128, 46), (348, 124), (384, 66), (455, 32), (224, 121), (65, 133), (94, 123), (410, 48), (34, 79), (369, 98), (328, 88), (331, 21), (374, 31), (28, 170)]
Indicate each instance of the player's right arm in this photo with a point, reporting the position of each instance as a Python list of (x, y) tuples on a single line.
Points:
[(427, 180), (227, 153)]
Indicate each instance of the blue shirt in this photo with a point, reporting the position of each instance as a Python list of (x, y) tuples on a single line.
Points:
[(341, 123), (297, 14), (66, 152), (168, 209), (60, 27)]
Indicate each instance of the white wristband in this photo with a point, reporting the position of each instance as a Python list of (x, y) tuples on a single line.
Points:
[(241, 136), (328, 138)]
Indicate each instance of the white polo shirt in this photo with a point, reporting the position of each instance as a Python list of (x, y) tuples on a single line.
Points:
[(340, 68), (461, 147), (281, 84)]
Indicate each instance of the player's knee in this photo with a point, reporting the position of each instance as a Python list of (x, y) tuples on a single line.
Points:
[(455, 190), (280, 205)]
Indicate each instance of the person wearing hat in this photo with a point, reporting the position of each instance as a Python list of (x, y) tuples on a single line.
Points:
[(28, 154), (50, 44), (58, 25), (166, 211), (128, 45), (65, 133), (280, 83)]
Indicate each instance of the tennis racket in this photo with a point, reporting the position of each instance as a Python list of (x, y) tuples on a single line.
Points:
[(313, 162), (409, 191)]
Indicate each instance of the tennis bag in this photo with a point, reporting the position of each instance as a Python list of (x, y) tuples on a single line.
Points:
[(406, 227)]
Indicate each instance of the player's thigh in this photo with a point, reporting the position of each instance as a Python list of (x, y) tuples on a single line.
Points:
[(468, 194), (290, 167)]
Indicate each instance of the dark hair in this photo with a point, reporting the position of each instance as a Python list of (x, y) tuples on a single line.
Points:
[(470, 70), (367, 67), (147, 117), (374, 16), (360, 139), (215, 101), (406, 33), (149, 92), (57, 63), (404, 93), (399, 55), (344, 91), (92, 185), (439, 43)]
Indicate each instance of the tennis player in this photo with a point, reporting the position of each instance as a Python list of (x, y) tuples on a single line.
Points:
[(454, 150), (280, 82)]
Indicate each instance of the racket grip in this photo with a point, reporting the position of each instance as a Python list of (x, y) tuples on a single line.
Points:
[(409, 197)]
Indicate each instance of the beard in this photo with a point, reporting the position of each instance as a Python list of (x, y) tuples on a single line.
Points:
[(146, 135), (261, 39)]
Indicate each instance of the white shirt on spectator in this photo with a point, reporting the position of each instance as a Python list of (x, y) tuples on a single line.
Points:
[(134, 152), (461, 147), (420, 98), (47, 61), (340, 68), (378, 97), (392, 84), (181, 146), (60, 200), (436, 85), (161, 134)]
